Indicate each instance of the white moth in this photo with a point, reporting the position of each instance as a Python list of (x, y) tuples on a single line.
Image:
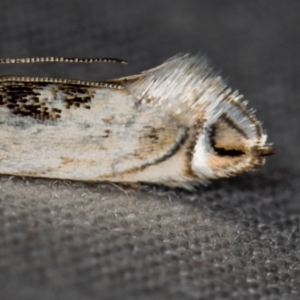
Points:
[(177, 124)]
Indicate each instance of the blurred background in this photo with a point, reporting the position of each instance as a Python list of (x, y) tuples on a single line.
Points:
[(236, 238)]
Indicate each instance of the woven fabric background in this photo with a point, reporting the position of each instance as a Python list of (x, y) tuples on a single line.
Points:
[(236, 239)]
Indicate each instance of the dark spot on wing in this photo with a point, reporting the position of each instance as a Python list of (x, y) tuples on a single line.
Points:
[(107, 133), (152, 133), (27, 98)]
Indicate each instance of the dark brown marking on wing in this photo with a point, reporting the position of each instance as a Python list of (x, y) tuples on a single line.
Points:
[(225, 118), (249, 114), (76, 100), (175, 147), (107, 133), (26, 98)]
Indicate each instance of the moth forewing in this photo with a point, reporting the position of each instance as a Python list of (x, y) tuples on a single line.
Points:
[(177, 124), (104, 140)]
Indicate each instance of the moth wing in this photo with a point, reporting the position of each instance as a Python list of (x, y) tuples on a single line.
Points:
[(82, 133)]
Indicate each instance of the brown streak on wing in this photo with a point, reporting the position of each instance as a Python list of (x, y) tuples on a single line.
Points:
[(167, 153)]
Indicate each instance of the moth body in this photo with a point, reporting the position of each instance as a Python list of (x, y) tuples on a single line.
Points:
[(177, 124)]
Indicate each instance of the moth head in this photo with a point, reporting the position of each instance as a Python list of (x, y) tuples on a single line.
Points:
[(229, 143)]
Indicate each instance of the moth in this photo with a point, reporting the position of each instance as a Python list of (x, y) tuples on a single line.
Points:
[(178, 125)]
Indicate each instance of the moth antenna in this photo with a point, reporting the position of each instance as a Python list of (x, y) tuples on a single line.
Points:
[(50, 59), (61, 80)]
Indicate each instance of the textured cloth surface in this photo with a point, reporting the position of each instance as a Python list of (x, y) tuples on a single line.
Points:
[(236, 239)]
